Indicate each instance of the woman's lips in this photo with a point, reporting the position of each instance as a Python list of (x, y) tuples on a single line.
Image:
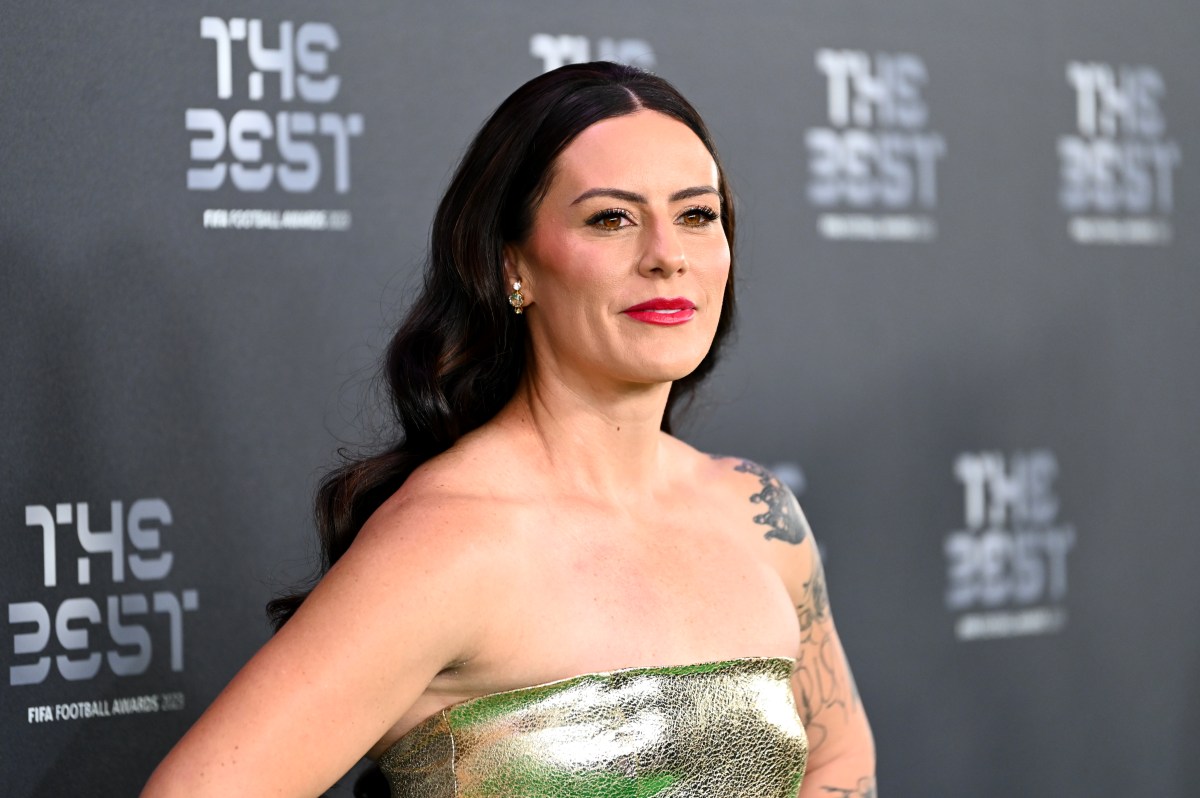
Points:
[(660, 310)]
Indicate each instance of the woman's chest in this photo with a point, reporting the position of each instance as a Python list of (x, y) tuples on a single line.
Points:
[(592, 599), (684, 591)]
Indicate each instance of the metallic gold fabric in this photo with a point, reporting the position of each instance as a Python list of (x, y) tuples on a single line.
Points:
[(716, 730)]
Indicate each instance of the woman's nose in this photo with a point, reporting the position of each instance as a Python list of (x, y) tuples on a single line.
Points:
[(664, 254)]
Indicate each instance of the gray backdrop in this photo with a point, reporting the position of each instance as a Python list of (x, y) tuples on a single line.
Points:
[(968, 292)]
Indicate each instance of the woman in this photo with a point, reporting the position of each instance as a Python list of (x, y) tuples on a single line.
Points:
[(538, 591)]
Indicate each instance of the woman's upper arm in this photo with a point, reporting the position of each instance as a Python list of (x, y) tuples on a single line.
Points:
[(359, 652), (841, 757), (841, 748)]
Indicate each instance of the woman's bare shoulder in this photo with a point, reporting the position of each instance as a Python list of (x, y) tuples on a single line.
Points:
[(409, 598), (761, 492), (428, 543), (451, 500), (768, 513)]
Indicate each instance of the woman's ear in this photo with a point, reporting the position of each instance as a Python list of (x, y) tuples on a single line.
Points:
[(514, 274)]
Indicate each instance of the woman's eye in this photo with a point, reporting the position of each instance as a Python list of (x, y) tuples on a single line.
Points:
[(612, 219), (698, 216)]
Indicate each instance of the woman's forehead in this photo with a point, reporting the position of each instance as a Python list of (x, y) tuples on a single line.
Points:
[(642, 151)]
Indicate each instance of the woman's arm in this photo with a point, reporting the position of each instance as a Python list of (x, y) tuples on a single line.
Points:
[(393, 611), (841, 758)]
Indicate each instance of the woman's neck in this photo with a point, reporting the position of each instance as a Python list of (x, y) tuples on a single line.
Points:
[(601, 441)]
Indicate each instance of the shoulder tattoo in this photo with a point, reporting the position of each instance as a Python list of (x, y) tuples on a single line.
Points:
[(782, 514)]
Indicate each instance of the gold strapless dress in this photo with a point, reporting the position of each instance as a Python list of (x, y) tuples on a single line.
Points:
[(716, 730)]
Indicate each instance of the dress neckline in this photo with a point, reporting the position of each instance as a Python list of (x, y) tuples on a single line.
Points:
[(636, 670), (710, 666)]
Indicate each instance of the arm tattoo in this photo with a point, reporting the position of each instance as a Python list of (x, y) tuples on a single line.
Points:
[(816, 605), (864, 789), (783, 512), (822, 673)]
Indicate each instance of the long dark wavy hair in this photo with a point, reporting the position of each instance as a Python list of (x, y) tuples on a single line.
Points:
[(458, 356)]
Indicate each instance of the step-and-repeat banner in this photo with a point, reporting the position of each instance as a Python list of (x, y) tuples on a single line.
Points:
[(968, 336)]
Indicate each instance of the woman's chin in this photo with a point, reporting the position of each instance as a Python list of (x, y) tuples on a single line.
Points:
[(659, 372)]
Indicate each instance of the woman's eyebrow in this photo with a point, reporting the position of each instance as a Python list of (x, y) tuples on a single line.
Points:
[(694, 191), (630, 196)]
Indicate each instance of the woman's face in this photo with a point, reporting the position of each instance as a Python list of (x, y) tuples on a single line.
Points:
[(625, 266)]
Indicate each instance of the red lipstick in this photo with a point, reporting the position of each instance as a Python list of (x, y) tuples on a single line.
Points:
[(663, 310)]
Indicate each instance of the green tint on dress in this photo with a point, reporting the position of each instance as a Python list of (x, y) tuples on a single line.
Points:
[(725, 729)]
